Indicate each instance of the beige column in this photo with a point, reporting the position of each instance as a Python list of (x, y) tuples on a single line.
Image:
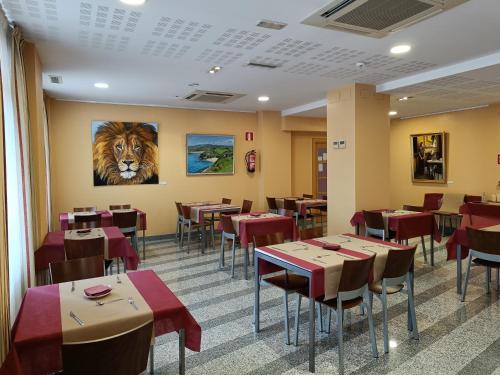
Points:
[(274, 157), (358, 175)]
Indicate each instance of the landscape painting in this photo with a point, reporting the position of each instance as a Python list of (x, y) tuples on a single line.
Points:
[(209, 154)]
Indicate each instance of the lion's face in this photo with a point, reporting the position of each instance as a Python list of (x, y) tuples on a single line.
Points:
[(125, 153)]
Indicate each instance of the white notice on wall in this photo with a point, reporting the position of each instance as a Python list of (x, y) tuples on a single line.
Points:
[(320, 158), (324, 156), (320, 167)]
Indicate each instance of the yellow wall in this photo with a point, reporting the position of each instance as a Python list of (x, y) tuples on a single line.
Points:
[(302, 162), (303, 124), (473, 145), (33, 71)]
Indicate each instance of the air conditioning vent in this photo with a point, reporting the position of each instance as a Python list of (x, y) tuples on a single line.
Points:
[(256, 64), (376, 18), (212, 96), (273, 25), (55, 79)]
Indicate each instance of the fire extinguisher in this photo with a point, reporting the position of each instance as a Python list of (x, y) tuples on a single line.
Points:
[(250, 160)]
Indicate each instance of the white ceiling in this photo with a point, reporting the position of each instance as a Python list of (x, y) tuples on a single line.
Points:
[(150, 54)]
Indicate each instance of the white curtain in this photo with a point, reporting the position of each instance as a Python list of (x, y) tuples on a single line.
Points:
[(16, 122)]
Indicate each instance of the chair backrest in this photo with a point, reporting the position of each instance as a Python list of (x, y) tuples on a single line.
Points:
[(178, 205), (310, 233), (86, 221), (355, 274), (432, 201), (307, 196), (120, 206), (125, 354), (226, 201), (284, 212), (472, 198), (76, 269), (324, 197), (484, 241), (268, 239), (374, 219), (452, 202), (186, 212), (246, 207), (84, 209), (125, 219), (290, 204), (227, 224), (398, 262), (84, 248), (271, 203)]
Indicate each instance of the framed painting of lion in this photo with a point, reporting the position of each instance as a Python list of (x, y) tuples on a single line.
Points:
[(125, 153)]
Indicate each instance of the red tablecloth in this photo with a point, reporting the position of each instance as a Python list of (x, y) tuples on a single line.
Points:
[(304, 205), (106, 219), (52, 249), (407, 226), (37, 332), (317, 272), (480, 213)]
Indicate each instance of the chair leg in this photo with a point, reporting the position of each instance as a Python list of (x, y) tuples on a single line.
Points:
[(329, 321), (411, 304), (464, 289), (320, 318), (287, 328), (371, 327), (384, 313), (182, 234), (498, 279), (233, 252), (221, 259), (423, 249), (189, 237), (488, 279), (297, 319), (340, 338), (212, 234)]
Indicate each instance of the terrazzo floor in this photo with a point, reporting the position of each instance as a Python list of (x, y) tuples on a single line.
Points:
[(455, 337)]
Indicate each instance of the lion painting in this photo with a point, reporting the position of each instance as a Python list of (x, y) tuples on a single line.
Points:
[(125, 153)]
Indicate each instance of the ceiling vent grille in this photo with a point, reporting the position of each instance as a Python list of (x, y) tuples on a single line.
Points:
[(55, 79), (256, 64), (212, 96), (376, 18)]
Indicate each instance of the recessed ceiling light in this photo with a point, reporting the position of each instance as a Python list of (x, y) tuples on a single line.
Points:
[(194, 84), (101, 85), (215, 69), (133, 2), (263, 98), (403, 99), (392, 113), (401, 48)]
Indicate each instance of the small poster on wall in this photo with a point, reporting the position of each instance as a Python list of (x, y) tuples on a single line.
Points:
[(209, 154), (125, 153), (428, 157)]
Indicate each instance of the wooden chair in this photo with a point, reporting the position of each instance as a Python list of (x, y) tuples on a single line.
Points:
[(123, 354), (310, 233), (228, 233), (271, 203), (396, 273), (287, 281), (353, 291), (76, 269), (307, 196), (89, 247), (85, 209), (86, 221), (119, 207), (484, 250), (187, 222), (291, 205), (226, 201), (246, 207), (374, 226), (127, 223)]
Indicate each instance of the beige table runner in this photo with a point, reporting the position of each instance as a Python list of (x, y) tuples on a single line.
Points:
[(101, 321), (237, 218), (195, 210), (387, 214), (494, 228), (94, 233), (71, 215), (332, 261), (452, 202)]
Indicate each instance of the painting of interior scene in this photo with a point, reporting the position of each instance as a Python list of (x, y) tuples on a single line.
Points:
[(428, 162)]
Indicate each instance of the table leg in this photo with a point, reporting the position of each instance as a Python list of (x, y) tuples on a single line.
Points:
[(245, 261), (151, 360), (256, 307), (459, 269), (144, 244), (312, 338), (182, 352), (432, 249), (203, 237), (357, 229)]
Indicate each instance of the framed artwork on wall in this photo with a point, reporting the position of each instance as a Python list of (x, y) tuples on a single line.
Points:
[(209, 154), (429, 157), (125, 153)]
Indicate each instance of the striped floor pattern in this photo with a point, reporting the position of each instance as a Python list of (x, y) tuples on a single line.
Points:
[(455, 337)]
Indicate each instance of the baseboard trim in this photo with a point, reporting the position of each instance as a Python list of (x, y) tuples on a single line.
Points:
[(161, 237)]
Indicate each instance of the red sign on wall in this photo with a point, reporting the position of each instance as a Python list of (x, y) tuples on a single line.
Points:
[(498, 159), (249, 137)]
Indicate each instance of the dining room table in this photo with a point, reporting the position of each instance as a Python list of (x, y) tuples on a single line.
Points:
[(303, 204), (53, 315), (66, 219), (259, 223), (406, 225), (322, 267), (116, 245)]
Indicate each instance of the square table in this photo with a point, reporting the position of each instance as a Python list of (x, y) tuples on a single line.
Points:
[(67, 218), (406, 225), (322, 267), (42, 325), (247, 226), (303, 204), (118, 246)]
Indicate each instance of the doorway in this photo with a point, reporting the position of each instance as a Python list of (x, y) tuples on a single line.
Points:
[(319, 161)]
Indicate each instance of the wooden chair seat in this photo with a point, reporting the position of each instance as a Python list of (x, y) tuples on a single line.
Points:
[(377, 288), (289, 282), (304, 292)]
